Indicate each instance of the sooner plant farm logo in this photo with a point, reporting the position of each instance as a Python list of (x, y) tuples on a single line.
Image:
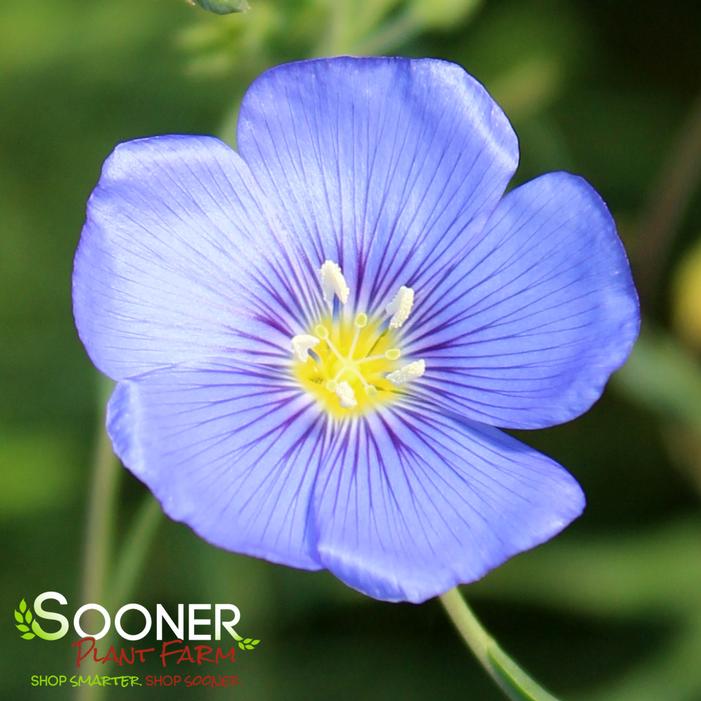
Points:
[(27, 624), (187, 634)]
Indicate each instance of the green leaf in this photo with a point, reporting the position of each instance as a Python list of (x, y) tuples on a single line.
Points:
[(18, 616), (222, 7), (28, 636), (249, 647), (255, 642), (28, 616), (22, 627), (241, 645), (246, 641), (23, 606)]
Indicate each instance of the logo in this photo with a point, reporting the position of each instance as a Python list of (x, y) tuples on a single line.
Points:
[(170, 632), (200, 621)]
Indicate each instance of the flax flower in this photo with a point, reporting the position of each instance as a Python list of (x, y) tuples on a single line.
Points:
[(317, 338)]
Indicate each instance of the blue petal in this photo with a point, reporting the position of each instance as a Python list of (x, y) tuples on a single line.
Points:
[(526, 328), (384, 165), (180, 260), (231, 450), (410, 503)]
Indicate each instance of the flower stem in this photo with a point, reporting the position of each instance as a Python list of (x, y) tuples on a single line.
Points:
[(136, 547), (100, 545), (668, 201), (99, 529), (394, 33), (509, 677), (102, 502)]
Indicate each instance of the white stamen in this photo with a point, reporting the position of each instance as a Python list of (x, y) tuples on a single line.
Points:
[(361, 321), (400, 307), (323, 333), (301, 345), (346, 395), (333, 282), (391, 354), (411, 371)]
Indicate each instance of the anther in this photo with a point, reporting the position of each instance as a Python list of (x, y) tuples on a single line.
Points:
[(400, 307), (361, 320), (392, 354), (321, 331), (411, 371), (302, 344), (333, 282), (346, 395)]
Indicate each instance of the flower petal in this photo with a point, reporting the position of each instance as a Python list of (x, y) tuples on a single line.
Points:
[(383, 165), (410, 503), (178, 261), (526, 328), (231, 450)]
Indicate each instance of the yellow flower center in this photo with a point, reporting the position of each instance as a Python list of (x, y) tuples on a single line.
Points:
[(351, 366), (347, 369)]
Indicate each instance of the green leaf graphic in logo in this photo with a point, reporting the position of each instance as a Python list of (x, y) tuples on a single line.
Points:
[(246, 643), (24, 618), (27, 625)]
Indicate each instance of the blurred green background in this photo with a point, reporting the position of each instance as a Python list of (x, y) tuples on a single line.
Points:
[(611, 610)]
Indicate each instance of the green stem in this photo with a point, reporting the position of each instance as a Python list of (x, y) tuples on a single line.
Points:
[(125, 575), (99, 544), (135, 550), (341, 38), (102, 502), (333, 40), (510, 678), (392, 34), (99, 529), (667, 203)]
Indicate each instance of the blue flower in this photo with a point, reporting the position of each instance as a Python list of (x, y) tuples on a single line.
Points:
[(315, 338)]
